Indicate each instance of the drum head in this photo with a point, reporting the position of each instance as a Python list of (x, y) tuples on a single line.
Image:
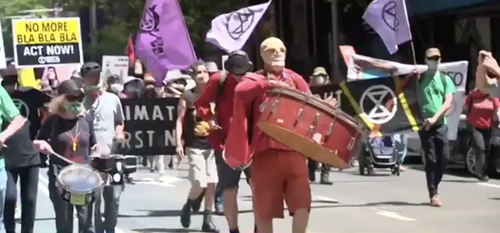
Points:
[(79, 178)]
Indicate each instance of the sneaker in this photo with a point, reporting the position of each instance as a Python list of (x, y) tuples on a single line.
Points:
[(186, 215), (483, 178), (435, 201)]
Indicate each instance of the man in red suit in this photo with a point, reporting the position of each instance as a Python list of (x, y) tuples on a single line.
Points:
[(220, 90), (277, 171)]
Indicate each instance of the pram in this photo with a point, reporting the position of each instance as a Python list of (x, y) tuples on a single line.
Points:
[(384, 152)]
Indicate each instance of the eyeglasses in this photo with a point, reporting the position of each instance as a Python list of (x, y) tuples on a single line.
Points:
[(73, 98)]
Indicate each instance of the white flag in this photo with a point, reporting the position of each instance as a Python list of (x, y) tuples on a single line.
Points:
[(231, 31), (389, 19)]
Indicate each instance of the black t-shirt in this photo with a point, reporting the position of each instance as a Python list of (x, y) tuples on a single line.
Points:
[(191, 122), (29, 101), (71, 138), (20, 151)]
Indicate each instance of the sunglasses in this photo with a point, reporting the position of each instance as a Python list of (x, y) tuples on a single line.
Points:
[(73, 98)]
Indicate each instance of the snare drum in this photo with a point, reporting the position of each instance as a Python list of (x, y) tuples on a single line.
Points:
[(311, 126), (79, 184)]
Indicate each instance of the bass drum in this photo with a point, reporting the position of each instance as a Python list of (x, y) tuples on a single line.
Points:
[(311, 126), (79, 184)]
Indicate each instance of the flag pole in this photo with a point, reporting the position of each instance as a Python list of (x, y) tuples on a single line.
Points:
[(413, 52)]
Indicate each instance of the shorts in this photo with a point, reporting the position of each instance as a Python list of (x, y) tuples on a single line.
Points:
[(202, 167), (228, 177), (279, 175)]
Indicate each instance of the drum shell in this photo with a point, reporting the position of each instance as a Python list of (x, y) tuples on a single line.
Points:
[(130, 164), (311, 126), (89, 195)]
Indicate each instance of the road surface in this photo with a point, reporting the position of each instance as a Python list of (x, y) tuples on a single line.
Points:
[(354, 204)]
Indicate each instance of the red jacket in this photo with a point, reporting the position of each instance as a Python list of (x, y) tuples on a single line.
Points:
[(223, 107), (250, 94)]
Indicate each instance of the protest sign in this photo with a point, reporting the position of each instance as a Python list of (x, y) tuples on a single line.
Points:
[(114, 65), (47, 42), (453, 114), (3, 62), (364, 67), (382, 106), (149, 126)]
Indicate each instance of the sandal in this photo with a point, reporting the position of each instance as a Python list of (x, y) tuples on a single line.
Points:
[(436, 202)]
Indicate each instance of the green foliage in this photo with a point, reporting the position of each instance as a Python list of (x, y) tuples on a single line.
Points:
[(124, 20), (9, 8)]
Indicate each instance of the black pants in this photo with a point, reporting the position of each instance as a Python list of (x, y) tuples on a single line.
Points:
[(28, 177), (435, 148), (64, 212), (313, 165), (480, 142)]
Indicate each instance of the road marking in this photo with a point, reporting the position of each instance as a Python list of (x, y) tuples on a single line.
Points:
[(327, 199), (394, 215), (42, 186), (489, 185)]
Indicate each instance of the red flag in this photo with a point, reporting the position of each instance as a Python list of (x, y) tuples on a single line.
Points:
[(131, 51)]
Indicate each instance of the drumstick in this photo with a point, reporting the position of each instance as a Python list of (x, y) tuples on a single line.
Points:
[(62, 157)]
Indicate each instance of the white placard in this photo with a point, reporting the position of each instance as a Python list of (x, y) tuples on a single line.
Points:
[(3, 62), (114, 65), (456, 70), (453, 114)]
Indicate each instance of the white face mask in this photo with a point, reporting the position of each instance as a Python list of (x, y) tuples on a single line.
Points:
[(432, 64), (116, 88)]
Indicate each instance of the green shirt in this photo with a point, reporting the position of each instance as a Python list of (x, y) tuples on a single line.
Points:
[(433, 91), (8, 111)]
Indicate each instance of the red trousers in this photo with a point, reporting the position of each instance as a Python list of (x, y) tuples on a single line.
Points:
[(279, 175)]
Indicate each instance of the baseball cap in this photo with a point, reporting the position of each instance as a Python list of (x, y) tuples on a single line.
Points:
[(212, 67), (90, 69), (319, 71), (432, 52), (70, 87)]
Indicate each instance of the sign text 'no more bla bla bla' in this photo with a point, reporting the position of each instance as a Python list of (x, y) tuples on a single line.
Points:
[(47, 41)]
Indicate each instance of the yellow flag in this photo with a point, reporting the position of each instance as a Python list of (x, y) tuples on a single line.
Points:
[(27, 78)]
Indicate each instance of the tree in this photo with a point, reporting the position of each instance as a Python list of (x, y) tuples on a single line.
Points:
[(124, 19), (9, 8)]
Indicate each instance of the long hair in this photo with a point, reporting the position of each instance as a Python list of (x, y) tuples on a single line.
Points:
[(57, 105)]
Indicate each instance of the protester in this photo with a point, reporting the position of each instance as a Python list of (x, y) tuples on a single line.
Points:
[(106, 112), (436, 91), (481, 108), (132, 88), (114, 84), (220, 90), (211, 68), (192, 133), (50, 75), (67, 128), (22, 161), (487, 74), (11, 114), (279, 174), (319, 78)]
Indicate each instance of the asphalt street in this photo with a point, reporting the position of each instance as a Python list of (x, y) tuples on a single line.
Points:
[(354, 204)]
